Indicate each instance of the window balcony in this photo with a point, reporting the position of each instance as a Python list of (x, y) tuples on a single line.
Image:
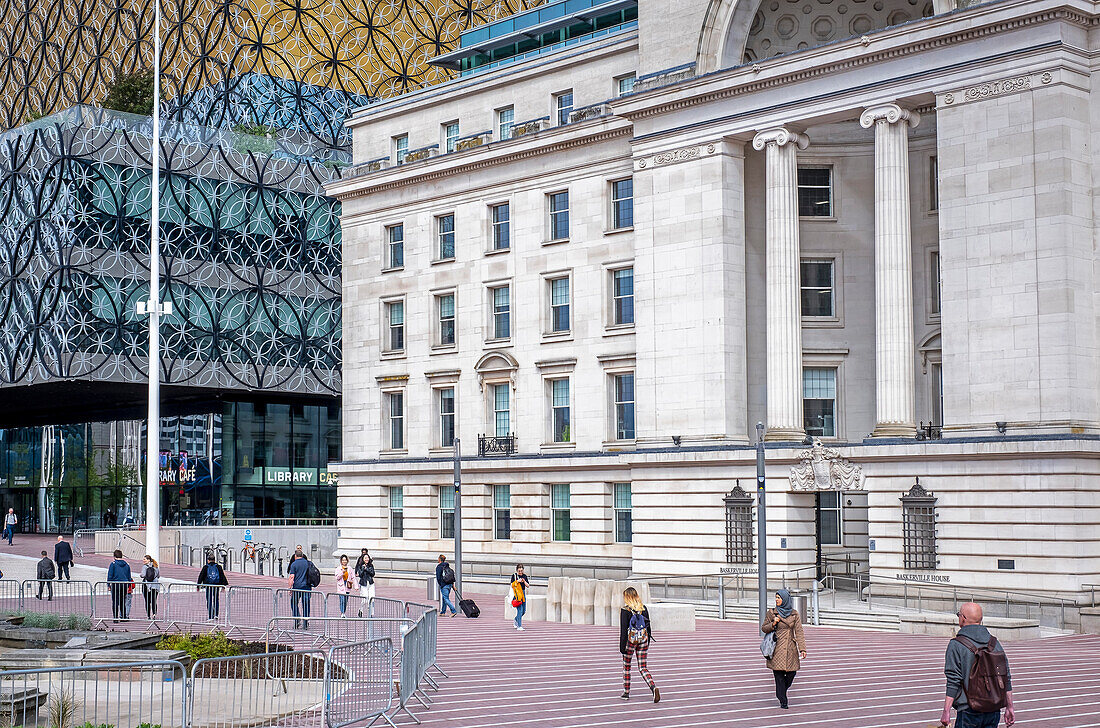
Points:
[(496, 445)]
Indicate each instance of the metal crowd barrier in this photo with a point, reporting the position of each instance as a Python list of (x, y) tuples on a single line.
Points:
[(57, 597), (359, 683), (123, 696), (11, 595), (417, 657), (188, 602), (329, 631), (273, 689), (284, 603)]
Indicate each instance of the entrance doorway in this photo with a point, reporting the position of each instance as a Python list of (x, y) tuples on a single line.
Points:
[(841, 535)]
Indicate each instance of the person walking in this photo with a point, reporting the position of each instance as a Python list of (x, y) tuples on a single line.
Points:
[(975, 652), (300, 597), (45, 576), (9, 525), (635, 634), (119, 581), (150, 585), (364, 571), (212, 578), (520, 582), (445, 578), (790, 643), (346, 583), (63, 555)]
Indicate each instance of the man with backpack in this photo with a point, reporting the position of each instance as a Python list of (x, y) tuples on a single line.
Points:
[(445, 578), (303, 576), (979, 683), (212, 578)]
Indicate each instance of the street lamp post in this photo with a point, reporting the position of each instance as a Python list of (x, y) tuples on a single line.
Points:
[(761, 525), (458, 519), (153, 306)]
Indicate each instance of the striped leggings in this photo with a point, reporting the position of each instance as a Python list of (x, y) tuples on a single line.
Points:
[(641, 648)]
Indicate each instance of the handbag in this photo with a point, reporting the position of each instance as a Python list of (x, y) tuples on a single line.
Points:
[(516, 603), (767, 645)]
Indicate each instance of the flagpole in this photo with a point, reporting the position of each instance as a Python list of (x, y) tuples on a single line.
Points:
[(152, 455)]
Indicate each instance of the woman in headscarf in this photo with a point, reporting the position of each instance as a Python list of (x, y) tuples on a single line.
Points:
[(790, 643)]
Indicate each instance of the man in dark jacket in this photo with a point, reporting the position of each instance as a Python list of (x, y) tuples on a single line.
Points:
[(45, 576), (212, 578), (63, 555), (445, 579), (957, 665), (120, 581)]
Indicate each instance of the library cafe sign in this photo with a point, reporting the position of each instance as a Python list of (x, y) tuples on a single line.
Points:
[(822, 468)]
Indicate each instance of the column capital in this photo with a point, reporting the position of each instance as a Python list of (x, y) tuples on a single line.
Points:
[(890, 113), (779, 136)]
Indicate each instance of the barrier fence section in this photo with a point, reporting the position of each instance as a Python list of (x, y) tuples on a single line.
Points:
[(308, 603), (250, 606), (330, 631), (195, 603), (57, 597), (359, 683), (11, 595), (274, 689), (124, 696), (358, 606), (417, 656)]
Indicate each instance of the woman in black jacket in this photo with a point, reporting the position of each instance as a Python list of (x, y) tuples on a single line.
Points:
[(635, 634), (364, 569)]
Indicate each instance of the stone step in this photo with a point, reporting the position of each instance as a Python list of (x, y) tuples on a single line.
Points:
[(876, 621)]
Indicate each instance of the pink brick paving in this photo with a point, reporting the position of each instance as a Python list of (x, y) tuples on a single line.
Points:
[(569, 676)]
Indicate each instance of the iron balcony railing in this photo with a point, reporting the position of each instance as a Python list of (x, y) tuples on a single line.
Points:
[(496, 445)]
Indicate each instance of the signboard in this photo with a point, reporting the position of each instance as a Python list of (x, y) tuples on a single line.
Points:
[(308, 476), (248, 534)]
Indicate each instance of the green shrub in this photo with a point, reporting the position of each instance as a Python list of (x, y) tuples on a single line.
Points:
[(132, 94), (77, 621), (39, 620), (201, 646)]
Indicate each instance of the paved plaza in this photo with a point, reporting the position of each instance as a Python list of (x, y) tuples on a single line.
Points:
[(569, 676)]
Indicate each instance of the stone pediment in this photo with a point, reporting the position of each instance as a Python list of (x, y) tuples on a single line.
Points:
[(822, 468)]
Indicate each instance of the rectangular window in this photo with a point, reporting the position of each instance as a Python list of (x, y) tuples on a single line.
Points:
[(505, 119), (559, 305), (395, 246), (502, 512), (739, 541), (445, 229), (446, 308), (559, 215), (936, 372), (502, 226), (815, 191), (559, 406), (933, 183), (395, 405), (563, 106), (817, 288), (395, 312), (624, 524), (819, 401), (622, 296), (447, 417), (397, 512), (502, 312), (622, 203), (624, 406), (934, 283), (625, 84), (450, 136), (829, 518), (559, 506), (446, 511), (400, 148), (502, 413)]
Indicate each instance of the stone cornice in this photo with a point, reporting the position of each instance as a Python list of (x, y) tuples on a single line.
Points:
[(433, 169), (802, 73)]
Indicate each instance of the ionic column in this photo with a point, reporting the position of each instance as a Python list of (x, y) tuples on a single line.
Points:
[(895, 409), (784, 385)]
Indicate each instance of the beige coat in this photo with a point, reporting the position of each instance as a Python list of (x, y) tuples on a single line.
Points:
[(789, 641)]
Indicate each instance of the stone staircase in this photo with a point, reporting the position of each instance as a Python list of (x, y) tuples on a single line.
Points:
[(883, 621)]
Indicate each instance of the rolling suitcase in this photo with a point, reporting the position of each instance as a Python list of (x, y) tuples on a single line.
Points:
[(468, 607)]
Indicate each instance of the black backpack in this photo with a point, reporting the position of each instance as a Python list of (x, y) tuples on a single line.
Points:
[(313, 575), (448, 576)]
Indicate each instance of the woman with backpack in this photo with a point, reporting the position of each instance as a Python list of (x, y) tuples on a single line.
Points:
[(635, 634), (150, 585), (790, 643), (364, 570), (346, 583)]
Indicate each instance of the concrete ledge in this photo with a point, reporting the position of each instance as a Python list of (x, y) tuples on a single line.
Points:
[(536, 608), (672, 617), (43, 659), (1090, 620), (947, 625)]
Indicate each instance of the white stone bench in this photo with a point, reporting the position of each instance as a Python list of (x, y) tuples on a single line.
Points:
[(536, 608), (672, 617), (947, 625)]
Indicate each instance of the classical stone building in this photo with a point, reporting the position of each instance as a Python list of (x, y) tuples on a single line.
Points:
[(629, 231)]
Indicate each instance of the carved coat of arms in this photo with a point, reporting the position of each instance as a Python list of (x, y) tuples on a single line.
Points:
[(822, 468)]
